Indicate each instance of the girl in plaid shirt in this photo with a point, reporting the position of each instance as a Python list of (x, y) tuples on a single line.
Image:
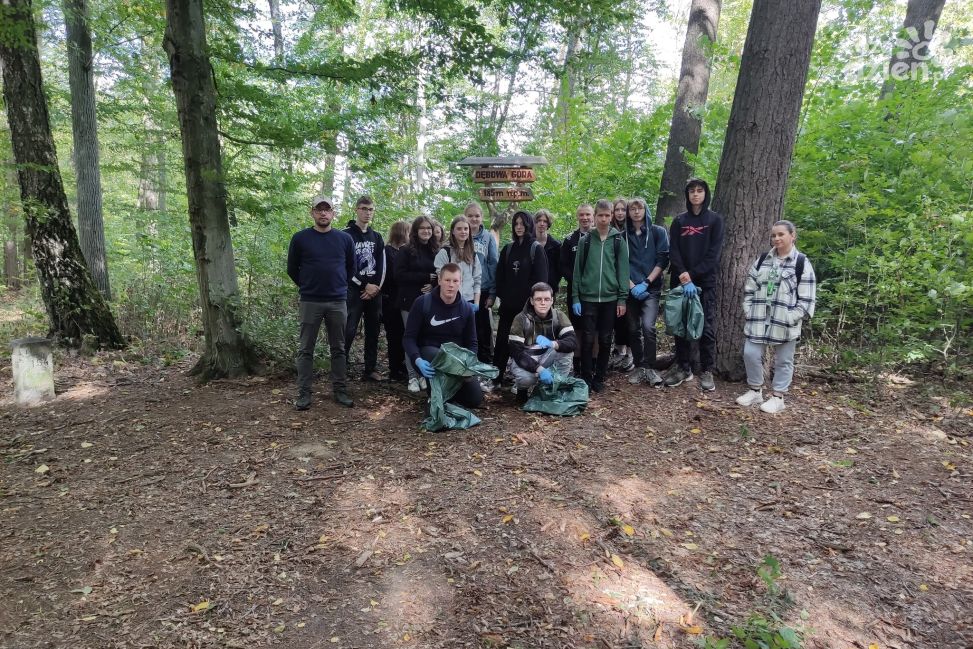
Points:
[(776, 301)]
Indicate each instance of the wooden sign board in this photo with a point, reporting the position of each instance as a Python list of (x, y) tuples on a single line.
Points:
[(504, 175), (508, 194)]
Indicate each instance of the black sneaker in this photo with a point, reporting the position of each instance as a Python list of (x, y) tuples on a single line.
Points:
[(678, 376), (303, 401), (706, 382), (342, 397)]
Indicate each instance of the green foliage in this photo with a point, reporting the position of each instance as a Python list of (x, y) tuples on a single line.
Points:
[(769, 572)]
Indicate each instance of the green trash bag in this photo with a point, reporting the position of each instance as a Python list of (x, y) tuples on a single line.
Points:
[(454, 364), (683, 315), (567, 396)]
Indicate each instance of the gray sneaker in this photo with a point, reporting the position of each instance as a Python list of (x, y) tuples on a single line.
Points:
[(706, 382), (678, 376), (303, 400), (640, 375), (653, 378)]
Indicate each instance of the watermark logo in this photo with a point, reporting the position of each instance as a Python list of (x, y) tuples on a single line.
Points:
[(911, 60)]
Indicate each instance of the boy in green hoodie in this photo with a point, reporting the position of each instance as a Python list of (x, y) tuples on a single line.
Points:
[(598, 291)]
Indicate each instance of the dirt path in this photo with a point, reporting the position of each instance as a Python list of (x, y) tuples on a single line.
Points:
[(177, 516)]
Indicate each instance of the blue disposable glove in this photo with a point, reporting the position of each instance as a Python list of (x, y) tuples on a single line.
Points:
[(546, 377), (576, 309), (689, 289), (638, 290), (544, 342), (426, 368), (476, 307)]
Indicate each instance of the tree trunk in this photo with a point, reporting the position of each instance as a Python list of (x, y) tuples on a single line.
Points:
[(565, 92), (910, 52), (84, 126), (757, 152), (687, 123), (227, 351), (275, 26), (74, 305), (11, 269)]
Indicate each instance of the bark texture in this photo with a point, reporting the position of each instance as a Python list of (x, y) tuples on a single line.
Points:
[(911, 49), (84, 126), (11, 269), (275, 26), (74, 305), (687, 123), (757, 153), (227, 352)]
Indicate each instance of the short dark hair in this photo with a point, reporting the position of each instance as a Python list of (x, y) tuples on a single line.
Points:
[(364, 199), (541, 287), (450, 268), (697, 182), (604, 205)]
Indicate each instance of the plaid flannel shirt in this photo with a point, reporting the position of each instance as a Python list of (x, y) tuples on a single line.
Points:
[(775, 319)]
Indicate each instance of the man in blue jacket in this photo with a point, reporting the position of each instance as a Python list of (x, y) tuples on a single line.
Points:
[(648, 257), (321, 261), (365, 289)]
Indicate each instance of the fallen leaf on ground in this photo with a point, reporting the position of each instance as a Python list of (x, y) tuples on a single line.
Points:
[(892, 519), (863, 516), (506, 519), (628, 529), (86, 444), (42, 469), (617, 561), (202, 606)]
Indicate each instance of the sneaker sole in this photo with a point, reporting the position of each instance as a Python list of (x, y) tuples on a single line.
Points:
[(711, 388), (676, 385)]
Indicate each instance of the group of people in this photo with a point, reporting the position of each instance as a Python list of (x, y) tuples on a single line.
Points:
[(430, 285)]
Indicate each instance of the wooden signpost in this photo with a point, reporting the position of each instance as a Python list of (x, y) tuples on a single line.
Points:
[(518, 170)]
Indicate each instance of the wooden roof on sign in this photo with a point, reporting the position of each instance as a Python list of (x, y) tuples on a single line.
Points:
[(506, 161)]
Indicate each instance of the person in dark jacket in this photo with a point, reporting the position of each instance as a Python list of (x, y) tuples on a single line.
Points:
[(522, 264), (569, 248), (541, 338), (648, 257), (391, 315), (621, 358), (438, 317), (364, 291), (695, 246), (321, 261), (415, 274), (552, 247)]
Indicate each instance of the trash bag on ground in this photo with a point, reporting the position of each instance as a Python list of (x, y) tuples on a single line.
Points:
[(454, 364), (566, 396)]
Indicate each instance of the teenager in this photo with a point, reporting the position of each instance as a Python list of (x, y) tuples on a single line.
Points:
[(391, 315), (599, 291), (541, 338), (552, 247), (438, 317), (648, 257), (695, 246), (321, 262), (364, 292), (585, 215), (621, 358), (415, 273), (459, 250), (522, 264), (486, 249), (779, 294)]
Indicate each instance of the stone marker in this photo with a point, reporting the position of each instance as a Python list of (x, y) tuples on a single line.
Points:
[(33, 370)]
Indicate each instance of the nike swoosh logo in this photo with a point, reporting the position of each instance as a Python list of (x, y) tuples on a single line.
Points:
[(434, 322)]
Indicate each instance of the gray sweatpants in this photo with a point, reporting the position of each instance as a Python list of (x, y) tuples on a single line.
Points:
[(334, 314), (753, 358)]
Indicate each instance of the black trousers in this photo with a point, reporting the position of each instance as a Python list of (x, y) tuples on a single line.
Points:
[(707, 343), (501, 353), (394, 331), (371, 312), (597, 321), (484, 331)]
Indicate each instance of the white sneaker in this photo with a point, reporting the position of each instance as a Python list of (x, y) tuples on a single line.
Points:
[(751, 398), (773, 405), (414, 385)]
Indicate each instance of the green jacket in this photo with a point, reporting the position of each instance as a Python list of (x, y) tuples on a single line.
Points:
[(603, 278)]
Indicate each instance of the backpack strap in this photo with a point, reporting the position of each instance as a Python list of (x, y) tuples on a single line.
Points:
[(760, 260), (799, 266)]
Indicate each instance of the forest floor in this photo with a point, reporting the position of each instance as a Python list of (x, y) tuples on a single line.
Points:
[(140, 510)]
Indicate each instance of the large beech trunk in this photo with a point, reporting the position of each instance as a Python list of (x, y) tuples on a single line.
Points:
[(74, 305), (227, 351), (687, 123), (757, 153)]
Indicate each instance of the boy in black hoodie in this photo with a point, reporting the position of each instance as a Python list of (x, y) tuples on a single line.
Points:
[(696, 243), (365, 287)]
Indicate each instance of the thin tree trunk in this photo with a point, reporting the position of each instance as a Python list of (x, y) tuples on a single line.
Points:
[(227, 351), (275, 26), (11, 268), (687, 123), (84, 126), (74, 305), (565, 93), (911, 50), (757, 152)]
